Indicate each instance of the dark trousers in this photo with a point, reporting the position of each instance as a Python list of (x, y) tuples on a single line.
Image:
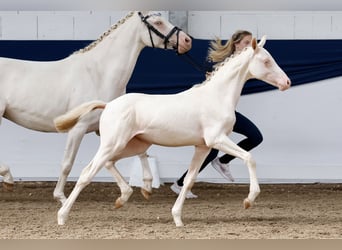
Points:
[(242, 126)]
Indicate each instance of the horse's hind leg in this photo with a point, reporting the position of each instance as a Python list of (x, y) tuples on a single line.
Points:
[(83, 181), (125, 189), (146, 189), (87, 174), (139, 147), (8, 182), (197, 160)]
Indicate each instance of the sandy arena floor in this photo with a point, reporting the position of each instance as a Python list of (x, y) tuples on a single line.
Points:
[(311, 211)]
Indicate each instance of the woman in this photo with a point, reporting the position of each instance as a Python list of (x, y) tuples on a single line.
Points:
[(217, 53)]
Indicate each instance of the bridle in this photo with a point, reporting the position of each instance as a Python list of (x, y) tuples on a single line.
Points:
[(157, 32), (166, 38)]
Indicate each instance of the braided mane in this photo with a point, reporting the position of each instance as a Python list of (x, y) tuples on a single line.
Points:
[(105, 34), (216, 68)]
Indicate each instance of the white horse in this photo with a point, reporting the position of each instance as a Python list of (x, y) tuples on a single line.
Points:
[(130, 124), (32, 94)]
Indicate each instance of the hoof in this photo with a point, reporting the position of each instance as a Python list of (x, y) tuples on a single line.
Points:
[(60, 222), (8, 186), (118, 203), (146, 194), (246, 203), (61, 218), (178, 223)]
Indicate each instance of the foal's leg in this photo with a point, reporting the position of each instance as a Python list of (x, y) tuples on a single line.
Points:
[(125, 189), (146, 190), (8, 181), (133, 147), (114, 138), (74, 139), (229, 147), (139, 147), (198, 158), (88, 173)]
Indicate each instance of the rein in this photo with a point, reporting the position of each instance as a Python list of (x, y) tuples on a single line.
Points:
[(157, 32)]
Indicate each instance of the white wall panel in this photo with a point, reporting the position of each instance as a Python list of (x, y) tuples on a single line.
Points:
[(301, 130), (55, 27), (31, 25), (18, 26), (303, 28), (336, 26), (276, 26), (322, 26), (91, 25), (204, 24), (232, 22)]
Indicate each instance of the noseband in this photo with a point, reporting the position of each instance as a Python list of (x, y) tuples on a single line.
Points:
[(155, 31)]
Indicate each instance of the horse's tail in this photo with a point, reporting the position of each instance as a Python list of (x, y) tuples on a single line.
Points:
[(67, 121)]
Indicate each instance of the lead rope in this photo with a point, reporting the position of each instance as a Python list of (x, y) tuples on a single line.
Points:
[(189, 59)]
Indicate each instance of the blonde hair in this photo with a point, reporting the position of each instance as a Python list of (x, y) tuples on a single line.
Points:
[(218, 51)]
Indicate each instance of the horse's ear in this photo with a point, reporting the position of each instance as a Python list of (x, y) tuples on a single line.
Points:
[(262, 41), (254, 43)]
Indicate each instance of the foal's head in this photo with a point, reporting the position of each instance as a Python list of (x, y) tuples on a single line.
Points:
[(160, 33), (263, 67)]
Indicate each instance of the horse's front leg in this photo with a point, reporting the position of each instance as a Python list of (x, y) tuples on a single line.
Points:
[(8, 181), (200, 154), (74, 139), (227, 146)]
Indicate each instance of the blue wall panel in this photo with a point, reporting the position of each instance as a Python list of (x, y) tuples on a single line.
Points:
[(165, 72)]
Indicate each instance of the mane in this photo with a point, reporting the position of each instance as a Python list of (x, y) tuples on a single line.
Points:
[(217, 68), (105, 34)]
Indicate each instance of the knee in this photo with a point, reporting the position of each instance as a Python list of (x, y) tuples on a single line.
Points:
[(249, 160)]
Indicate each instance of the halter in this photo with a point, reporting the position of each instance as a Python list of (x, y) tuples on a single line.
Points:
[(155, 31)]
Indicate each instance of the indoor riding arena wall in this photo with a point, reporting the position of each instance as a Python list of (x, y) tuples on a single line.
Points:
[(301, 127), (300, 154)]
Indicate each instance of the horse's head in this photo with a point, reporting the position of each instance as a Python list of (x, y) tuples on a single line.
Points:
[(263, 67), (163, 34)]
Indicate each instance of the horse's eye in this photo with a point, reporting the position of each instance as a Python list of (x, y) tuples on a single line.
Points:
[(158, 23)]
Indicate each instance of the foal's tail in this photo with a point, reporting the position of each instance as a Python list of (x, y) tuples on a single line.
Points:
[(67, 121)]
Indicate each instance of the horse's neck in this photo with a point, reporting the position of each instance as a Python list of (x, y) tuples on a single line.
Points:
[(227, 83), (115, 56)]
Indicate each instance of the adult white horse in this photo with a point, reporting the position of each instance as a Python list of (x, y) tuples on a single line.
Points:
[(32, 93), (130, 124)]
